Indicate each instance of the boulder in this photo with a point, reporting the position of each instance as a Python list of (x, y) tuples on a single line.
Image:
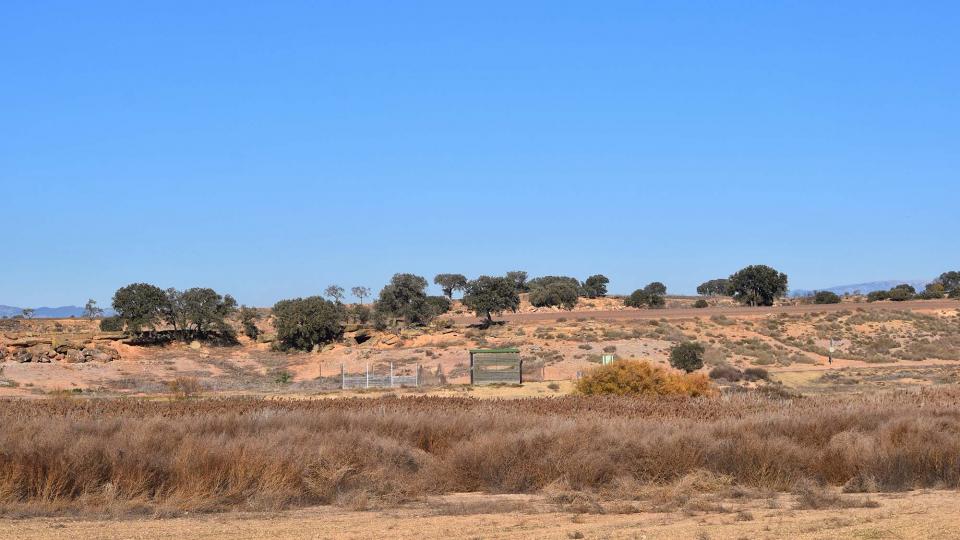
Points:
[(100, 353), (42, 352), (74, 356)]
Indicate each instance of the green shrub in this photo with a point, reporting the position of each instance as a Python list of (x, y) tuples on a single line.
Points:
[(302, 323), (701, 303), (687, 356), (111, 324), (555, 293), (826, 297)]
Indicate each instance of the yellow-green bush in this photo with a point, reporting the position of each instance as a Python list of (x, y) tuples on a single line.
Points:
[(637, 378)]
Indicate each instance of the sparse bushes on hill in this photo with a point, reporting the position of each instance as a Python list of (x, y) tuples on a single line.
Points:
[(826, 297), (899, 293), (687, 356), (701, 303), (636, 378), (303, 323), (650, 296)]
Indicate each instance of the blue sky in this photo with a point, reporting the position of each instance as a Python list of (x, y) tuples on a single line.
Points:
[(268, 149)]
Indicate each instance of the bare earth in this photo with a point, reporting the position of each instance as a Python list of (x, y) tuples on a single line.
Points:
[(926, 515)]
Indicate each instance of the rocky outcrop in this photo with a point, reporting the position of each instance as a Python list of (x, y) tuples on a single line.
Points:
[(40, 350)]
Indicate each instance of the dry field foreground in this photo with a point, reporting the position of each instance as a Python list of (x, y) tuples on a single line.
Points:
[(741, 465)]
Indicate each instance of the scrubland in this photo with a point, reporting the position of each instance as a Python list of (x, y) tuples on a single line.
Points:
[(598, 454)]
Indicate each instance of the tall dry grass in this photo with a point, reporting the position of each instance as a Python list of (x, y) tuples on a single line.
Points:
[(127, 455)]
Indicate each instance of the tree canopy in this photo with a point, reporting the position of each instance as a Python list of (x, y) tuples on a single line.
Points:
[(595, 286), (488, 296), (714, 287), (687, 356), (519, 279), (334, 292), (826, 297), (650, 296), (139, 305), (450, 282), (758, 285), (303, 323), (560, 292), (405, 297)]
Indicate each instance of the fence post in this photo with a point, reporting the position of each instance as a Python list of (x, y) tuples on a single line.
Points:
[(343, 380), (391, 374), (368, 376), (419, 367)]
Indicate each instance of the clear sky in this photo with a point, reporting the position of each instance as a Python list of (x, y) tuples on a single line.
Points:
[(268, 149)]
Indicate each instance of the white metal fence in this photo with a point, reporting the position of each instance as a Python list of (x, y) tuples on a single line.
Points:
[(373, 380)]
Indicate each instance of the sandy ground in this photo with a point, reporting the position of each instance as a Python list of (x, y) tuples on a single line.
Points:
[(926, 515)]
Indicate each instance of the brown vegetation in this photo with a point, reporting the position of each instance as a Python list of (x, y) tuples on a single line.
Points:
[(67, 455)]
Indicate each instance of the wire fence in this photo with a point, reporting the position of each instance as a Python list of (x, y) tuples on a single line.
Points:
[(377, 380)]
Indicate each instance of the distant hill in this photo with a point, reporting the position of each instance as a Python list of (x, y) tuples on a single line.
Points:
[(865, 288), (62, 312)]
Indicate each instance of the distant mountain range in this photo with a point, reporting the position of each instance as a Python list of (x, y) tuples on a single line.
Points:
[(62, 312), (865, 288)]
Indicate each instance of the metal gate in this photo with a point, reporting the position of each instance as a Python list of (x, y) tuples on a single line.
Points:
[(489, 366)]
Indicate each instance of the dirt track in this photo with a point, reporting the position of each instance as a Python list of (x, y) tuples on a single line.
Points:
[(916, 514), (738, 311)]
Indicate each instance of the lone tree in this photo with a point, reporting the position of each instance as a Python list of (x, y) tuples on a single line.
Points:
[(335, 292), (450, 282), (27, 313), (405, 297), (687, 356), (714, 287), (595, 286), (488, 296), (303, 323), (650, 296), (758, 285), (91, 311), (361, 293), (139, 305)]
